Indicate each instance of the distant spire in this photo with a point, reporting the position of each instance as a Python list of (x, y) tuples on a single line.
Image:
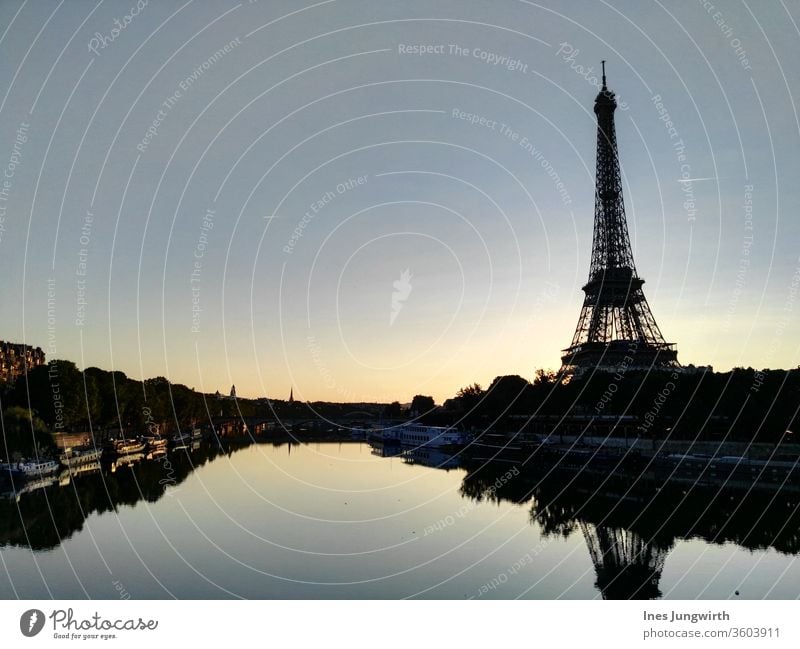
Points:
[(233, 391), (604, 75), (291, 395)]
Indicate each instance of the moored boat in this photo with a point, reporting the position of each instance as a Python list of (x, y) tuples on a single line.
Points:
[(16, 491), (500, 447), (30, 469), (129, 459), (120, 447), (180, 440), (373, 433), (155, 443), (83, 468), (435, 458), (412, 434), (76, 456), (358, 434), (386, 449)]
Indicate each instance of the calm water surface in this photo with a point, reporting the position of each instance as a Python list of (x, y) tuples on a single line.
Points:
[(338, 521)]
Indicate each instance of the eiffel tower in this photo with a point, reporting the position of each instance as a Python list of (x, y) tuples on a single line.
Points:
[(626, 565), (616, 327)]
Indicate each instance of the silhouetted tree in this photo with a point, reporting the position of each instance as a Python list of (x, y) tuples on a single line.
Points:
[(109, 386), (545, 377), (421, 404), (470, 395), (507, 395), (392, 410), (23, 432), (60, 394)]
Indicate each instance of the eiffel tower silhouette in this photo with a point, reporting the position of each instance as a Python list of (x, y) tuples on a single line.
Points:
[(615, 321)]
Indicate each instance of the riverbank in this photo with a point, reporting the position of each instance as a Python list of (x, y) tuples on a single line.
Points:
[(786, 451)]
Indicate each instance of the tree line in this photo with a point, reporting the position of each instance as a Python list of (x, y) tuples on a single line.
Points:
[(58, 397), (743, 404)]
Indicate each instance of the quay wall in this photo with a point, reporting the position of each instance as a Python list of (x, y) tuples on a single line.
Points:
[(667, 446)]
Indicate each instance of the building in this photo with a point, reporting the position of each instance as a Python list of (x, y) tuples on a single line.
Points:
[(16, 359)]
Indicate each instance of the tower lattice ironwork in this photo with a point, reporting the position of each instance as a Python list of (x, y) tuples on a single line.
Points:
[(616, 327), (627, 566)]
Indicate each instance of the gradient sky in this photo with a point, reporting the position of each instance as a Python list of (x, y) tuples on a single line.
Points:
[(310, 97)]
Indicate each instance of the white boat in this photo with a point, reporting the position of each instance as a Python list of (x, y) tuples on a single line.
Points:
[(30, 469), (430, 436), (435, 458)]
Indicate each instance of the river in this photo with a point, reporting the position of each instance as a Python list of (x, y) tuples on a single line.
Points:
[(346, 520)]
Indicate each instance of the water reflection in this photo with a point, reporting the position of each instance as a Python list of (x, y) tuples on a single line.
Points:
[(629, 518), (43, 512), (433, 458)]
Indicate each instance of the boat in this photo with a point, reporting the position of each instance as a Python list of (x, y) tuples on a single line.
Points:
[(30, 469), (377, 434), (180, 440), (155, 443), (129, 459), (84, 468), (431, 436), (76, 456), (125, 446), (501, 447), (434, 458), (385, 449), (156, 454), (15, 492)]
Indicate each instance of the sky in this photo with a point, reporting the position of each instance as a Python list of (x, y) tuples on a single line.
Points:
[(366, 201)]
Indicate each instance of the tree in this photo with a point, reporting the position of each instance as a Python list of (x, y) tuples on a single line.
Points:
[(471, 391), (60, 394), (508, 394), (421, 404), (392, 410), (470, 396), (24, 433), (545, 377), (109, 387)]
